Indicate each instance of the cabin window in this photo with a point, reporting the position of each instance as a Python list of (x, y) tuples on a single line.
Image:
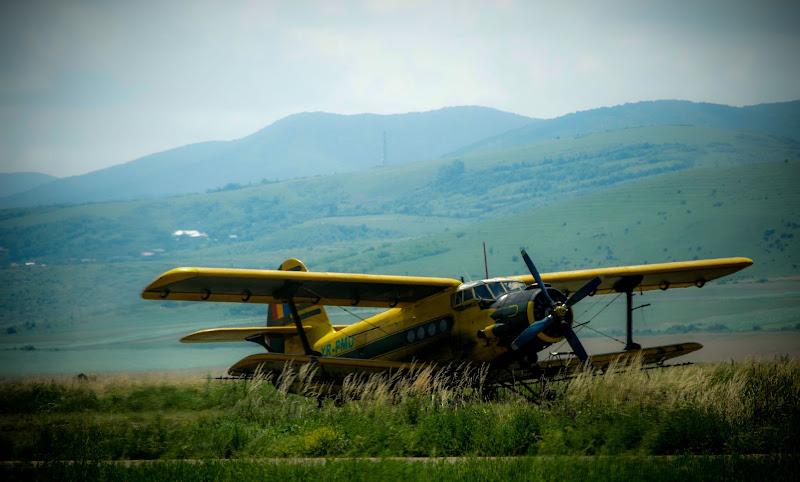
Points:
[(462, 296)]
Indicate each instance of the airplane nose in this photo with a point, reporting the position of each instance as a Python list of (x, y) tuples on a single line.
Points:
[(555, 310), (510, 319)]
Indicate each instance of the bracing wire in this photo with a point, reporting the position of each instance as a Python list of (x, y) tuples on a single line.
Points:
[(586, 323), (350, 312)]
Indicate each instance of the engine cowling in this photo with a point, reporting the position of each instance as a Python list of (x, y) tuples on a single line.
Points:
[(514, 312)]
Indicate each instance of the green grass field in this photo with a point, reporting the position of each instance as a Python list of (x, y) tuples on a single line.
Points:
[(709, 419), (678, 469), (711, 409)]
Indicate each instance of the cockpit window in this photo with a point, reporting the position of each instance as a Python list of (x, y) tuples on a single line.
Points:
[(482, 292), (512, 286), (486, 290), (497, 289)]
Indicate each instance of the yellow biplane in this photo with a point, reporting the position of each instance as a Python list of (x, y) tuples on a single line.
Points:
[(431, 322)]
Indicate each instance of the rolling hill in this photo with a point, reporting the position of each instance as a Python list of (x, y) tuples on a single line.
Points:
[(300, 145), (624, 197), (748, 210), (17, 182), (394, 202), (779, 119), (88, 315), (312, 144)]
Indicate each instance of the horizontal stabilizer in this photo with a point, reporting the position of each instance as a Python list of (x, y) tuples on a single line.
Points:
[(217, 335), (656, 354)]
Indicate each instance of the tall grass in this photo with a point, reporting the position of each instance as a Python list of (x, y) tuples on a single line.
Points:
[(727, 408), (679, 469), (742, 407)]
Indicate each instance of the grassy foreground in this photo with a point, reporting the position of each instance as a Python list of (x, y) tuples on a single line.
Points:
[(711, 417), (683, 468)]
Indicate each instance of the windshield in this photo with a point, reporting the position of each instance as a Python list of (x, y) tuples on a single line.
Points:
[(512, 286), (486, 290), (482, 292)]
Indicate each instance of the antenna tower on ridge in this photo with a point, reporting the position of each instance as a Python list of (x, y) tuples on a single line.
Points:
[(383, 161)]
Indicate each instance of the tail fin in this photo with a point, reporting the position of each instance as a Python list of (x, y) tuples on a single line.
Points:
[(313, 315)]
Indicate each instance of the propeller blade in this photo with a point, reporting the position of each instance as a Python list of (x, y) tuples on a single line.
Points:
[(574, 342), (584, 291), (536, 276), (530, 332)]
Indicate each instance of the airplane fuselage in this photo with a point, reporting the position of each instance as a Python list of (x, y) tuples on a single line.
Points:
[(464, 331)]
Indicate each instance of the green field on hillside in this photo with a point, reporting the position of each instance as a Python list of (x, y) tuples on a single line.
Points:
[(243, 223), (588, 202), (749, 210)]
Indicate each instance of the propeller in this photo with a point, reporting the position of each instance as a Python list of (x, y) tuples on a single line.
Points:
[(557, 311), (536, 276)]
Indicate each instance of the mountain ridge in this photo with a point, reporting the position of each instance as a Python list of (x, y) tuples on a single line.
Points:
[(779, 119), (17, 182), (314, 143), (300, 145), (395, 201)]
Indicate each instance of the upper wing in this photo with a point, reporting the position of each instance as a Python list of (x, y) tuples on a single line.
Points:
[(649, 276), (306, 288)]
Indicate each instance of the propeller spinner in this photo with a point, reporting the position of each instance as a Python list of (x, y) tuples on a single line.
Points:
[(556, 313)]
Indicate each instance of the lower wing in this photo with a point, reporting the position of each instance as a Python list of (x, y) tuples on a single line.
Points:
[(333, 367), (217, 335), (656, 354)]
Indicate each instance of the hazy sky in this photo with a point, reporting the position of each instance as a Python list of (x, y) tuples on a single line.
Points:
[(89, 84)]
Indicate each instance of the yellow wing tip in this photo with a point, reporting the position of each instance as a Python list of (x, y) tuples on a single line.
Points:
[(171, 276)]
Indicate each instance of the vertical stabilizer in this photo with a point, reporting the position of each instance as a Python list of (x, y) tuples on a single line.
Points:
[(310, 315)]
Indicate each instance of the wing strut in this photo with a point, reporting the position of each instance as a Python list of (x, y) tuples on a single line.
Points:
[(260, 340), (627, 285), (300, 332)]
